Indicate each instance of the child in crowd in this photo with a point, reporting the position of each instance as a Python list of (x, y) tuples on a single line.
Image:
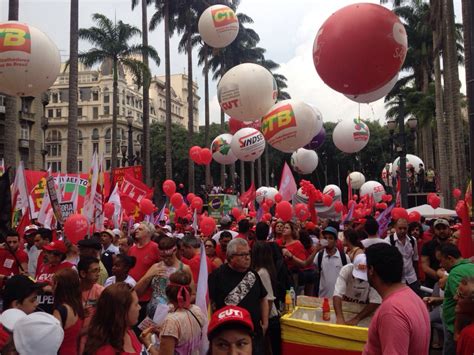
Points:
[(122, 265)]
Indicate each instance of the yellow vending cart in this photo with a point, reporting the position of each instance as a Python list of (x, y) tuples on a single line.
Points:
[(304, 331)]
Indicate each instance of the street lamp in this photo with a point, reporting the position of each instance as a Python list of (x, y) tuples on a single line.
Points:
[(123, 148), (44, 151), (130, 140), (138, 148)]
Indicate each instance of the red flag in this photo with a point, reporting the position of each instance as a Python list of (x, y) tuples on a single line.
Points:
[(135, 189), (398, 200), (248, 196), (349, 190), (130, 206), (287, 184)]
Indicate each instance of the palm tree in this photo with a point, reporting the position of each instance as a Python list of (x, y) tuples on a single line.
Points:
[(11, 118), (146, 94), (165, 11), (111, 43), (73, 82)]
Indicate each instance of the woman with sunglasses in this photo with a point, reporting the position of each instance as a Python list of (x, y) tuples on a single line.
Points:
[(210, 246), (157, 276)]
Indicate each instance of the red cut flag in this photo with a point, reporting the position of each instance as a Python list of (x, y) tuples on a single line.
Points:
[(248, 196), (287, 184), (135, 189)]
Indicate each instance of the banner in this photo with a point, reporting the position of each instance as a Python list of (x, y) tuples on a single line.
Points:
[(67, 209), (54, 199), (119, 173), (221, 204)]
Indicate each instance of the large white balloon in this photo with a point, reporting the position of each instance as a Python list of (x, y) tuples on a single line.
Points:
[(29, 60), (221, 151), (304, 161), (218, 26), (374, 95), (247, 91), (332, 190), (248, 144), (374, 188), (267, 193), (291, 124), (351, 136), (357, 179), (412, 161)]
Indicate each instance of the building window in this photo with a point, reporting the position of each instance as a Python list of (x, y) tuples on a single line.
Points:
[(50, 113), (24, 131), (95, 112), (95, 134), (58, 112), (95, 96), (106, 110), (53, 140), (55, 166), (108, 142), (108, 147), (79, 165), (55, 98), (79, 112), (2, 100), (107, 164), (95, 147), (79, 143), (106, 97)]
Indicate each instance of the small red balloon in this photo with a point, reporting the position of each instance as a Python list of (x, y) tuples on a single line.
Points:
[(278, 198), (146, 206), (338, 206), (284, 210), (207, 226), (190, 197), (414, 216), (302, 212), (327, 200), (205, 156), (398, 213), (197, 203), (195, 154), (435, 201), (236, 213), (75, 228), (176, 200), (169, 187), (457, 193), (181, 186)]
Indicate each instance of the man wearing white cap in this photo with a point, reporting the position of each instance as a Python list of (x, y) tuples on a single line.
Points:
[(352, 286)]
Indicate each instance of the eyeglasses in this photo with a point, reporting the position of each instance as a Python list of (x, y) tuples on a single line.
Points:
[(242, 254)]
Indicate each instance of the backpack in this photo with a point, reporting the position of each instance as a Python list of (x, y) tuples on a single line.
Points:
[(320, 259), (411, 239)]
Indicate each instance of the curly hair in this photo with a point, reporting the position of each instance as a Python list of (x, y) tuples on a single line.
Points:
[(109, 323)]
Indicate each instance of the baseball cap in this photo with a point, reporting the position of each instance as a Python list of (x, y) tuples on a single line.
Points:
[(229, 315), (30, 229), (360, 267), (19, 287), (10, 317), (38, 333), (116, 231), (330, 230), (57, 245), (441, 221), (93, 243)]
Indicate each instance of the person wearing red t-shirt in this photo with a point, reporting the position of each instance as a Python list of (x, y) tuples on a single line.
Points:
[(192, 256), (221, 248), (244, 229), (13, 260), (43, 236), (54, 260), (146, 252)]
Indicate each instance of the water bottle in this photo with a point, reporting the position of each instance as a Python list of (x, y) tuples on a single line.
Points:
[(326, 310), (293, 297), (288, 302)]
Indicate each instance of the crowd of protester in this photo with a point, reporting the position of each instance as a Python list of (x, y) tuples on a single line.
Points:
[(134, 292)]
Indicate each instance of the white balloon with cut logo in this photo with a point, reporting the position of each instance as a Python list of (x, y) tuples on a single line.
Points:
[(357, 179), (291, 124), (221, 151), (29, 60), (332, 190), (351, 136), (248, 144), (247, 91), (374, 95), (304, 161), (412, 161), (218, 26), (374, 188)]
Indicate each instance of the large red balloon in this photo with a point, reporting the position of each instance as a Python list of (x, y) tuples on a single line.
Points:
[(190, 196), (75, 227), (302, 211), (181, 211), (360, 48), (146, 206), (205, 156), (195, 154), (169, 187), (176, 200), (435, 201), (235, 125), (236, 213), (284, 210)]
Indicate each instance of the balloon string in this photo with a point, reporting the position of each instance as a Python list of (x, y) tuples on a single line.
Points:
[(359, 111)]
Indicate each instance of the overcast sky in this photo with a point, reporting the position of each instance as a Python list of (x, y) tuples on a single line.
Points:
[(287, 30)]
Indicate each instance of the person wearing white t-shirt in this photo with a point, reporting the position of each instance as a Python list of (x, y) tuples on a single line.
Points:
[(122, 265), (225, 224), (352, 286), (371, 227)]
